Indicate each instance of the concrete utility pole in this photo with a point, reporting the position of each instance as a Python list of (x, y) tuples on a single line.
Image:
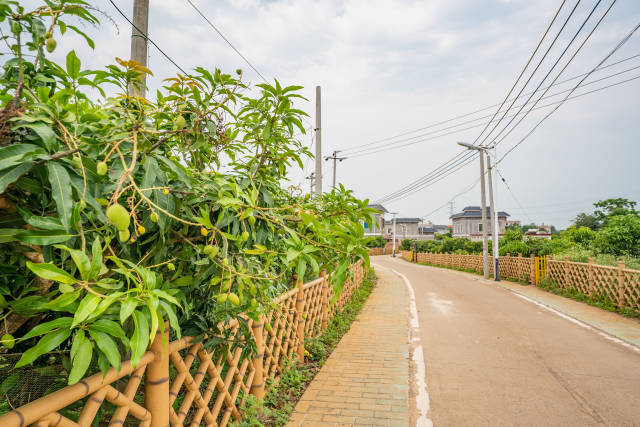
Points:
[(139, 42), (318, 141), (311, 179), (485, 244), (335, 157), (495, 226), (394, 233)]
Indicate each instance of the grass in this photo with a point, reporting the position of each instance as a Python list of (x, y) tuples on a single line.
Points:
[(572, 293), (594, 300), (578, 254), (283, 395)]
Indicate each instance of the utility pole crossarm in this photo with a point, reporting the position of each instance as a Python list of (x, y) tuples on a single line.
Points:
[(335, 158)]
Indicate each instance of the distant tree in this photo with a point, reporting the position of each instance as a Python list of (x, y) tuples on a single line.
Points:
[(586, 220), (620, 236), (528, 227), (606, 209)]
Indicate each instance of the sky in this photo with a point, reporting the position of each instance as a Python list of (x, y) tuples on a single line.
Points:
[(390, 67)]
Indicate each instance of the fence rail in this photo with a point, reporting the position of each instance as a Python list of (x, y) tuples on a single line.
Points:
[(183, 383), (618, 284)]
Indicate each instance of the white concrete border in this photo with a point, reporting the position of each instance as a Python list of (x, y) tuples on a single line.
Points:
[(420, 377)]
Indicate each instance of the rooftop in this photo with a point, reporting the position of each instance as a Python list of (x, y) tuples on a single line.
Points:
[(405, 221), (378, 208), (476, 212)]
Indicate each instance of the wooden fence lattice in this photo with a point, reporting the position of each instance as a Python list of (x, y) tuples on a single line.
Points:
[(182, 383), (618, 284)]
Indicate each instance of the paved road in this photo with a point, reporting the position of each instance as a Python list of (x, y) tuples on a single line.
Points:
[(493, 358)]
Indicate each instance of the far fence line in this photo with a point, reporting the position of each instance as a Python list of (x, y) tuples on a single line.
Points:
[(185, 384), (618, 284)]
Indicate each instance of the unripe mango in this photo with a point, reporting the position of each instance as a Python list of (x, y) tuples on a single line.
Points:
[(207, 249), (233, 299), (222, 298), (171, 267), (51, 44), (8, 341), (245, 236), (180, 122), (153, 217), (119, 216), (252, 220), (101, 168), (124, 235), (141, 229)]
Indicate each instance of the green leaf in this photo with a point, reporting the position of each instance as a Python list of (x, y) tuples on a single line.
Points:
[(173, 319), (44, 346), (61, 191), (43, 237), (63, 300), (80, 363), (9, 383), (96, 259), (127, 307), (43, 130), (109, 327), (15, 154), (80, 259), (51, 272), (108, 347), (8, 234), (43, 328), (9, 176), (73, 65), (80, 33), (302, 268), (86, 308), (140, 338)]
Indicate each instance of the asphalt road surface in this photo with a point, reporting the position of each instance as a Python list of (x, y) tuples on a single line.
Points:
[(493, 358)]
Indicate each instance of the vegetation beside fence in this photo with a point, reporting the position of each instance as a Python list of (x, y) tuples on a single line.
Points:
[(184, 382), (617, 287)]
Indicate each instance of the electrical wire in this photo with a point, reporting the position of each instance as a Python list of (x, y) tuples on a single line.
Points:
[(394, 147), (146, 37), (531, 58), (618, 46), (227, 41), (540, 62), (563, 68), (513, 195), (375, 142)]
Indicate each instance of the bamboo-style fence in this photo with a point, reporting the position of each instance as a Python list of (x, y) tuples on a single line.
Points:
[(618, 284), (182, 383), (376, 251)]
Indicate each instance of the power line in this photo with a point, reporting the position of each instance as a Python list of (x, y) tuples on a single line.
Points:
[(563, 68), (618, 46), (146, 36), (397, 146), (427, 181), (539, 64), (376, 142), (513, 195), (227, 41)]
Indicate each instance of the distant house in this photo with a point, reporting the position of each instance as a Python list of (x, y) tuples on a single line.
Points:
[(468, 223), (513, 222), (413, 228), (377, 227), (544, 232)]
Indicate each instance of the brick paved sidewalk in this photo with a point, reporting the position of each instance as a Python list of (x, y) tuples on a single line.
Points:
[(365, 381)]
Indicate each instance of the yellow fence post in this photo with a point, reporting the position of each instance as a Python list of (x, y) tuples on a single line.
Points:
[(621, 296), (325, 300), (257, 385), (299, 316), (156, 383)]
